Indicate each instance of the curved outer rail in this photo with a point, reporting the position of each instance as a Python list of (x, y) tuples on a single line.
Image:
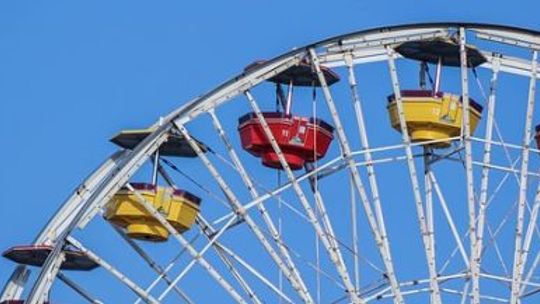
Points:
[(364, 46)]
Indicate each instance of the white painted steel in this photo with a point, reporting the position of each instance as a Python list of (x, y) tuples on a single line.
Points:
[(347, 51), (421, 214)]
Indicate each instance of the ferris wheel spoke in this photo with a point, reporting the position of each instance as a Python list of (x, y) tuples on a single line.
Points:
[(497, 249), (428, 190), (376, 227), (14, 287), (334, 252), (253, 271), (483, 202), (519, 250), (449, 218), (369, 162), (493, 235), (414, 286), (478, 234), (254, 194), (434, 284), (192, 251), (466, 132), (112, 270), (531, 228), (237, 207), (532, 269), (154, 265), (209, 232), (57, 228), (69, 209), (215, 236), (78, 289), (207, 229), (515, 172), (115, 177), (166, 270)]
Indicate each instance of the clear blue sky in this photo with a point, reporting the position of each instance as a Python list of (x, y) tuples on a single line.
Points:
[(73, 73)]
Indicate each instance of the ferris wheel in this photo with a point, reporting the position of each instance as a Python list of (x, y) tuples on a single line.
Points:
[(392, 165)]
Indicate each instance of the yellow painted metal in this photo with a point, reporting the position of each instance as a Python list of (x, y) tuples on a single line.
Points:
[(432, 117), (124, 210)]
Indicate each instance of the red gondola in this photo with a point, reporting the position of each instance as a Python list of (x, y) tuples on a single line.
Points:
[(301, 139)]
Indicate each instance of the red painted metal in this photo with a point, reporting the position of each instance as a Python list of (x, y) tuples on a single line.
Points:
[(301, 139)]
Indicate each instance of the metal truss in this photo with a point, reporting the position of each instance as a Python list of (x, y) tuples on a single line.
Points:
[(348, 274)]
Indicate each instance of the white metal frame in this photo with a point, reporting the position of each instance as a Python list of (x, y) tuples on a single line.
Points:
[(347, 51)]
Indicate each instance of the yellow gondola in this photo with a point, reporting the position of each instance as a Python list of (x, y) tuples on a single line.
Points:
[(432, 116), (179, 207)]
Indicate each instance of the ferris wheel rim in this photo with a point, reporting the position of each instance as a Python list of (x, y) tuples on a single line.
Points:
[(186, 110)]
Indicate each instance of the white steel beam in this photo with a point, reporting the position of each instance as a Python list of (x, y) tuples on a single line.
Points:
[(58, 223), (334, 252), (14, 287), (209, 231), (154, 265), (111, 269), (428, 190), (383, 38), (237, 207), (449, 218), (200, 254), (69, 209), (78, 289), (466, 132), (376, 227), (98, 197), (254, 194), (524, 40), (201, 260), (518, 251), (477, 248), (253, 271), (359, 114), (434, 284)]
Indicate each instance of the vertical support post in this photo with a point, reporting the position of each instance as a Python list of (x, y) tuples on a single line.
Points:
[(15, 285), (382, 243), (289, 98), (354, 235), (276, 235), (201, 253), (201, 260), (428, 189), (208, 231), (155, 168), (241, 212), (359, 113), (253, 271), (55, 227), (466, 131), (438, 73), (477, 251), (112, 270), (434, 284), (155, 266), (518, 251), (78, 289), (449, 219), (333, 251)]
